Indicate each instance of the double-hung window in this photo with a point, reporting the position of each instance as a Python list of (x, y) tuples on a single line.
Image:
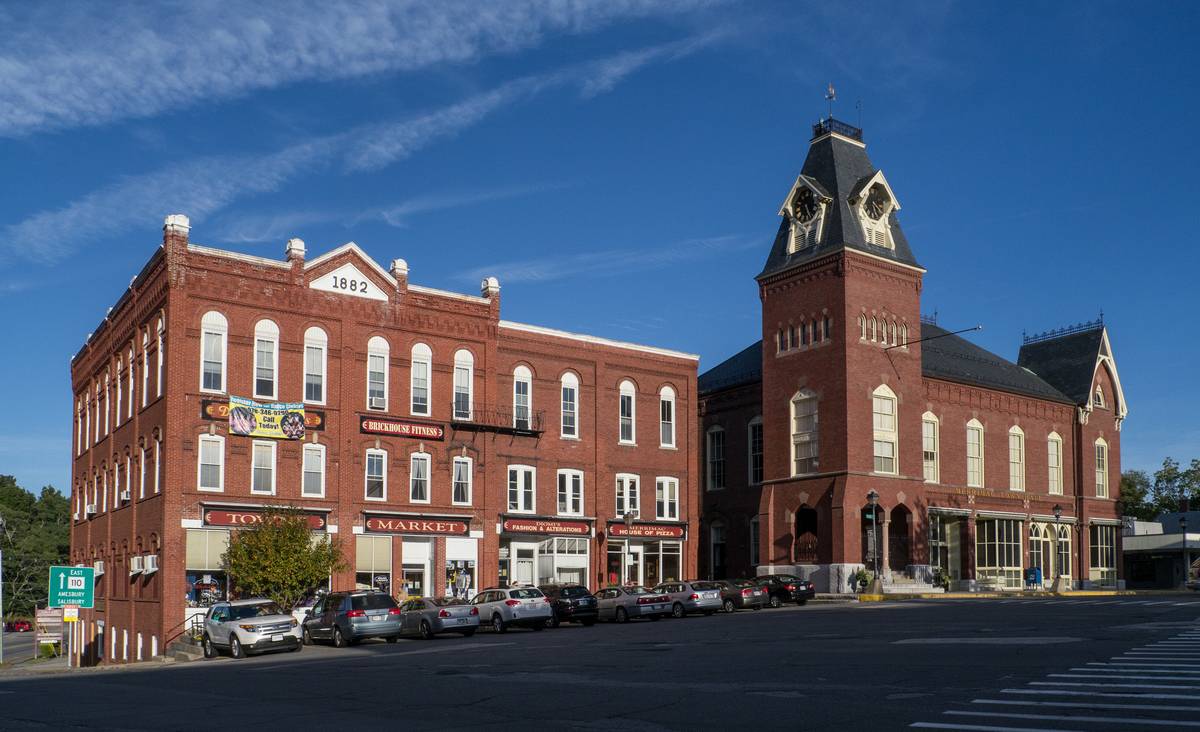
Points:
[(266, 357), (378, 353), (570, 493), (160, 353), (522, 397), (210, 470), (1054, 464), (628, 433), (1016, 459), (129, 403), (461, 489), (805, 440), (214, 331), (1101, 469), (262, 479), (754, 441), (418, 478), (715, 456), (929, 447), (316, 345), (420, 375), (464, 370), (145, 370), (666, 419), (883, 408), (570, 405), (627, 495), (521, 489), (119, 379), (142, 473), (313, 480), (974, 454), (375, 488), (666, 499)]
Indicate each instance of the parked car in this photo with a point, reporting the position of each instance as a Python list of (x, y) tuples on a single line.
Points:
[(742, 594), (696, 596), (505, 607), (571, 603), (249, 626), (18, 626), (620, 604), (302, 608), (428, 616), (345, 618), (787, 588)]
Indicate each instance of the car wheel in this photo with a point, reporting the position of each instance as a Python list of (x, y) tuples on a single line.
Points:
[(553, 622), (297, 647), (210, 651), (677, 611), (235, 647), (305, 638), (339, 640), (727, 606), (426, 630), (622, 616), (498, 624), (468, 633), (776, 602)]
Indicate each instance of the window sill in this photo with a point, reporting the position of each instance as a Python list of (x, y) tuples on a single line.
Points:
[(220, 392), (573, 438), (423, 503), (262, 493), (624, 443), (456, 503), (210, 490), (375, 500), (518, 510), (314, 404), (668, 447), (312, 495)]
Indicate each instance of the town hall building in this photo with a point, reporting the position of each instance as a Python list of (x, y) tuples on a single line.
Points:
[(858, 434)]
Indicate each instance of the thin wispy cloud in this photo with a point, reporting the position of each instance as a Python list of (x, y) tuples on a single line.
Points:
[(65, 65), (399, 214), (610, 262), (206, 185)]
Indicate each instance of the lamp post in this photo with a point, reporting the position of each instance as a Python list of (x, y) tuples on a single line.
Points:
[(1187, 564), (1058, 584), (873, 500), (627, 519), (2, 535)]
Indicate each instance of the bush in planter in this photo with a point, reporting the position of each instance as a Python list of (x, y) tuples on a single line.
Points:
[(941, 579), (862, 578)]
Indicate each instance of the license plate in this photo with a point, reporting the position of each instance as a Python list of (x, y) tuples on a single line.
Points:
[(710, 595), (276, 638), (376, 618), (461, 621)]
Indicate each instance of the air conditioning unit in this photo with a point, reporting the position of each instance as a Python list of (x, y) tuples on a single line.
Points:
[(126, 495), (378, 403), (150, 566), (136, 564), (91, 509), (98, 566), (75, 516)]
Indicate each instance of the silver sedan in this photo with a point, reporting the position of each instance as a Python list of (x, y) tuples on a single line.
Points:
[(428, 616), (620, 604), (697, 596)]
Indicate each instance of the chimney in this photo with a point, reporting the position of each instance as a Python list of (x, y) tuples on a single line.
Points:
[(490, 288), (295, 250), (400, 273), (175, 232)]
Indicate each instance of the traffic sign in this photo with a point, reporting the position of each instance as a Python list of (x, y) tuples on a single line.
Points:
[(71, 614), (72, 586)]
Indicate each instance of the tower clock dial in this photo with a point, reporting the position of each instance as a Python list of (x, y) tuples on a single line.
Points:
[(877, 203), (804, 205)]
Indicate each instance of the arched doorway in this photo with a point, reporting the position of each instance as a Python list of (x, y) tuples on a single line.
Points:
[(899, 544), (1041, 551), (806, 535), (872, 530)]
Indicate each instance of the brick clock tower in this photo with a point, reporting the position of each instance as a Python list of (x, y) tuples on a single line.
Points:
[(841, 325)]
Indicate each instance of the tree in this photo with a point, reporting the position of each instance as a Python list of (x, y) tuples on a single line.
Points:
[(1135, 495), (37, 534), (279, 558)]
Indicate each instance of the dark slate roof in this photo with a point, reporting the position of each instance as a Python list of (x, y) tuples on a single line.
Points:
[(743, 368), (1068, 362), (953, 358), (839, 167)]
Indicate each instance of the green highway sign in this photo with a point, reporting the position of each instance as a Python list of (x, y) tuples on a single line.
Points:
[(72, 586)]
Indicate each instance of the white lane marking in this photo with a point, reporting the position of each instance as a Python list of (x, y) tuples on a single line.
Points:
[(985, 727), (1089, 705), (1145, 662), (1127, 669), (1105, 694), (1122, 676), (1159, 602), (1069, 718), (1115, 686), (973, 641)]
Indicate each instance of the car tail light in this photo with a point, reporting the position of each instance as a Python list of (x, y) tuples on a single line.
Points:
[(443, 613), (790, 588), (547, 599), (393, 611), (645, 600), (474, 611), (356, 614), (694, 596), (747, 592), (512, 603)]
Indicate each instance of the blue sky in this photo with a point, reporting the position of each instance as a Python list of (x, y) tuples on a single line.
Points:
[(618, 165)]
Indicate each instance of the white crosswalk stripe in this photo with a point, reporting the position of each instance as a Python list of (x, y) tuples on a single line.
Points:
[(1154, 686)]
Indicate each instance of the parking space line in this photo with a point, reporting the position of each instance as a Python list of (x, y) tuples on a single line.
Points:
[(984, 727), (1090, 705), (1127, 669), (1106, 694), (1114, 686), (1069, 718), (1123, 676)]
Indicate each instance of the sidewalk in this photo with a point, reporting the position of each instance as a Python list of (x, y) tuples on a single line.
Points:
[(1010, 595)]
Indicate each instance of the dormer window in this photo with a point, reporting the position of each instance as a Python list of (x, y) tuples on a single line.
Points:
[(875, 209), (1098, 397), (805, 210)]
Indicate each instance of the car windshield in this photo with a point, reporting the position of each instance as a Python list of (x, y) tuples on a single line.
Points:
[(743, 583), (525, 594), (788, 578), (573, 592), (448, 601), (638, 590), (705, 586), (258, 610), (377, 601)]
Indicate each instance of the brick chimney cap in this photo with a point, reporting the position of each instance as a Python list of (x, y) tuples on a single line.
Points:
[(177, 221), (489, 286), (399, 268), (295, 247)]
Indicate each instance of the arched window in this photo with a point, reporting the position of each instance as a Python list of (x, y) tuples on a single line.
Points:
[(754, 445), (378, 355), (118, 381), (627, 423), (904, 336), (1054, 457), (266, 359), (522, 397), (160, 353), (714, 455), (1016, 459), (420, 376), (1098, 397), (214, 334), (804, 332), (883, 412), (893, 339), (666, 417), (569, 409), (316, 346), (930, 447), (805, 441), (145, 368), (826, 328), (874, 328), (974, 454), (862, 327), (1062, 566), (464, 379), (129, 403), (1101, 468)]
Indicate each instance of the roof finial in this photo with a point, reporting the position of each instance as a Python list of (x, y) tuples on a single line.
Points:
[(831, 97)]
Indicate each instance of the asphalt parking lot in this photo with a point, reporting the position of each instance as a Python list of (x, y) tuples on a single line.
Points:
[(941, 664)]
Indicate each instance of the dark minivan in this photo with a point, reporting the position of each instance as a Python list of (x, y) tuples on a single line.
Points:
[(571, 603), (345, 618)]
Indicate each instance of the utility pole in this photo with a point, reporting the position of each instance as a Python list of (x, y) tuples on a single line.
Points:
[(3, 534)]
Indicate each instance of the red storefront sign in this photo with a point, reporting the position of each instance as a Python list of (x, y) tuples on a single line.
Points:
[(653, 531), (542, 526), (395, 525), (250, 518), (400, 428)]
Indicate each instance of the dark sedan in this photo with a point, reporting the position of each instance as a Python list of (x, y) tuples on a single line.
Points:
[(742, 594), (571, 603), (786, 588)]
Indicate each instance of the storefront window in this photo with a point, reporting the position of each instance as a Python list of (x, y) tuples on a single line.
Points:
[(373, 563), (206, 580), (998, 552), (460, 577), (939, 548), (562, 559), (643, 562), (1104, 554)]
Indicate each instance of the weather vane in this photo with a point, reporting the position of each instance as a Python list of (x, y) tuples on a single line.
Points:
[(831, 97)]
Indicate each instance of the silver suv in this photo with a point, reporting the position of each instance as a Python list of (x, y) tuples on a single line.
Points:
[(249, 626), (505, 607)]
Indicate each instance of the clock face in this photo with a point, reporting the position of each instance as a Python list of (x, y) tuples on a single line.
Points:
[(804, 205), (877, 203)]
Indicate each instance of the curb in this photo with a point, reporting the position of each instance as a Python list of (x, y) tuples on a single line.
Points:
[(997, 595)]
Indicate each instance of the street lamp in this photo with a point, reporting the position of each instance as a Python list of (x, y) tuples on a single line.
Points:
[(2, 535), (1187, 564), (873, 499)]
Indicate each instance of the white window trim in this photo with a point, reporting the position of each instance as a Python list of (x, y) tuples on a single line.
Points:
[(521, 469), (523, 375), (145, 368), (367, 473), (463, 359), (223, 332), (661, 482), (385, 353), (708, 461), (129, 401), (627, 389), (1099, 444), (310, 342), (157, 465), (426, 458), (274, 341), (470, 480), (891, 436), (142, 473), (635, 494), (793, 403), (931, 418), (117, 381), (274, 467), (1016, 482), (161, 331), (420, 354), (568, 474), (756, 422), (667, 394), (318, 448), (1054, 487), (974, 424), (220, 441), (568, 381)]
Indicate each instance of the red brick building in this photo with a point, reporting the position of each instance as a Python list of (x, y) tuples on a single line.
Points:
[(981, 467), (438, 442)]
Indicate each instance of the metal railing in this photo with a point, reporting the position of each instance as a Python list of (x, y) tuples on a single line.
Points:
[(1064, 331), (496, 418), (830, 124)]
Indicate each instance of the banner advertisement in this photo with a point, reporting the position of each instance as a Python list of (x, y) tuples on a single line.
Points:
[(276, 421), (314, 419)]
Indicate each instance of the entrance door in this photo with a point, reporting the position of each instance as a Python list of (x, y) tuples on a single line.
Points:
[(523, 564), (415, 580), (633, 564)]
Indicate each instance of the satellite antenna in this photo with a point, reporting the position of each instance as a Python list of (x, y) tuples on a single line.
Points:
[(831, 97)]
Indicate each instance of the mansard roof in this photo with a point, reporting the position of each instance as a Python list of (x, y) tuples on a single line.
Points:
[(743, 368), (839, 166), (1068, 359)]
